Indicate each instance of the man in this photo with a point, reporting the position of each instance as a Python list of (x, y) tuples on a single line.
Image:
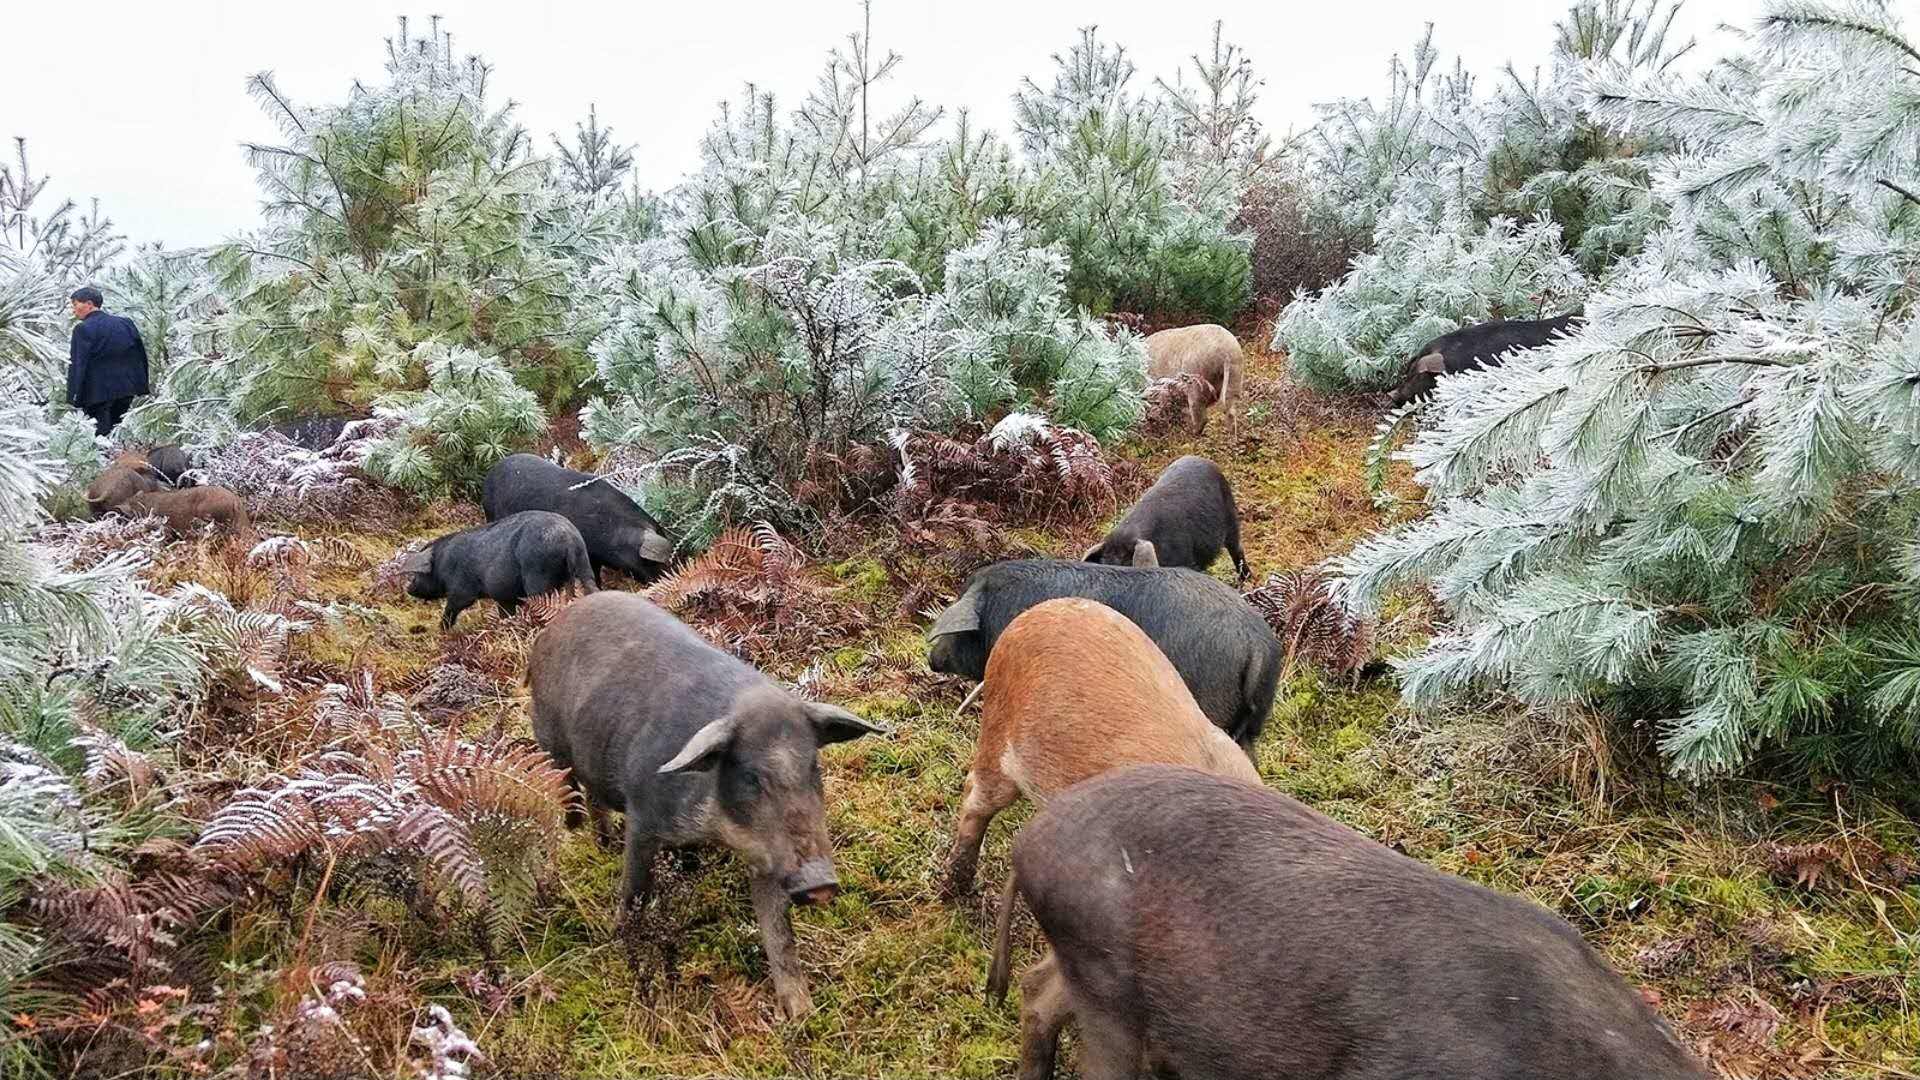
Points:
[(108, 368)]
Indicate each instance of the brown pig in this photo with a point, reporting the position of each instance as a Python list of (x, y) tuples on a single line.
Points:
[(186, 510), (1202, 927), (1208, 350), (129, 475), (1074, 688)]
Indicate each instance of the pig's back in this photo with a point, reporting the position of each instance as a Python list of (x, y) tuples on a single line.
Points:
[(615, 677)]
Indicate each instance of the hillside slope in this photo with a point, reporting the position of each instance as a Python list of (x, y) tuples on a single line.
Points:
[(1774, 927)]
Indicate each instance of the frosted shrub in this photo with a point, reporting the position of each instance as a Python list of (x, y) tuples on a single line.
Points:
[(471, 415), (379, 241), (1135, 239), (1005, 297), (1007, 329), (737, 382), (1701, 510), (1100, 385), (1440, 176), (1423, 279)]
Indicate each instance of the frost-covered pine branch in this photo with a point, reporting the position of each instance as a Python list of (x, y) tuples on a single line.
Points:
[(1702, 508)]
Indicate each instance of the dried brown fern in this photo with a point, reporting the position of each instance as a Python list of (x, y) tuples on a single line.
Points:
[(1312, 624), (112, 767), (126, 931), (510, 780), (282, 481), (474, 813), (754, 594), (249, 644), (1025, 471), (84, 545), (499, 651), (1171, 403)]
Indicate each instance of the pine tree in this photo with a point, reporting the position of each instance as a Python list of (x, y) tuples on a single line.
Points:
[(1432, 174), (825, 279), (593, 165), (413, 213), (1702, 508), (1105, 156)]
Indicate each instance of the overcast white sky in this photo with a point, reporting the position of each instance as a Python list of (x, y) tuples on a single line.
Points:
[(144, 106)]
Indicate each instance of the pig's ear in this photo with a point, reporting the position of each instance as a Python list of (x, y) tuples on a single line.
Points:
[(702, 752), (1144, 553), (963, 615), (836, 724), (1092, 552), (655, 548), (419, 562), (1431, 364)]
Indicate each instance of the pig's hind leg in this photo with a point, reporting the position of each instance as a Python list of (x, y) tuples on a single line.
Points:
[(1044, 1009), (988, 791)]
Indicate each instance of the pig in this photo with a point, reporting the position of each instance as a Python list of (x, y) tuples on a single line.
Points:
[(187, 510), (1202, 926), (130, 474), (696, 747), (1467, 349), (312, 432), (1184, 519), (170, 461), (521, 555), (1208, 350), (618, 533), (1222, 648), (1073, 688)]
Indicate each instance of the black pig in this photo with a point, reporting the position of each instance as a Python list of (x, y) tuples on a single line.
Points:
[(312, 432), (1221, 647), (527, 554), (697, 748), (1203, 926), (1483, 345), (618, 533), (1184, 519), (169, 461)]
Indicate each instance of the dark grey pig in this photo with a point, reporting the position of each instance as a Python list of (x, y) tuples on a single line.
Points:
[(1221, 647), (1482, 345), (527, 554), (312, 432), (697, 748), (1203, 926), (618, 533), (1184, 519), (169, 461)]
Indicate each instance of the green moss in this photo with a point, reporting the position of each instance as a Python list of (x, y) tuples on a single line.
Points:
[(864, 578)]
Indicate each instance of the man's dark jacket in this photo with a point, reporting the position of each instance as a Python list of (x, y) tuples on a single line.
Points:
[(109, 360)]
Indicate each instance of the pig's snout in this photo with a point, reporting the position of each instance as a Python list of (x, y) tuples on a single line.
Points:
[(940, 655), (814, 883)]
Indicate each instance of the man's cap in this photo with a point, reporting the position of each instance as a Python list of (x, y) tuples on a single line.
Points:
[(89, 294)]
